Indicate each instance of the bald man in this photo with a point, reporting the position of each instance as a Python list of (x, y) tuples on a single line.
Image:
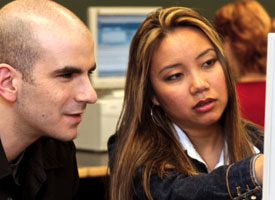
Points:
[(46, 57)]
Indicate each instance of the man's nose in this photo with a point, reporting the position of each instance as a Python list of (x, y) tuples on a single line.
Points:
[(86, 92)]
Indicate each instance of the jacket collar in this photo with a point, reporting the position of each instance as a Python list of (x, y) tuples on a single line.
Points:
[(5, 169), (39, 157), (191, 151)]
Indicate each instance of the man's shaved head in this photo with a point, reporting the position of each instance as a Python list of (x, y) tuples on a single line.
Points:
[(22, 21)]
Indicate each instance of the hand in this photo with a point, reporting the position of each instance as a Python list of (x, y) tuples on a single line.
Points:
[(259, 164)]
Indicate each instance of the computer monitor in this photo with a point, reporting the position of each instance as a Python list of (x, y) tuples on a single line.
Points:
[(269, 139), (113, 29)]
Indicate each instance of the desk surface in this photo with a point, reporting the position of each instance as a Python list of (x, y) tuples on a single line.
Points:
[(89, 158), (92, 164)]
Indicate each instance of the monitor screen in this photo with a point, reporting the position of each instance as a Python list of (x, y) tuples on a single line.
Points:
[(115, 33), (113, 29)]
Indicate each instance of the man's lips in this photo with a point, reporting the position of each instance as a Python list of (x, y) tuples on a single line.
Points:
[(76, 114), (205, 105), (76, 117)]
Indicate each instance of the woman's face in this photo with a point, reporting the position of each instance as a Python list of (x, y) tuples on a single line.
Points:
[(188, 79)]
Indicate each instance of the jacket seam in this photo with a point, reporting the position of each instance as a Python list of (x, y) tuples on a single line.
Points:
[(227, 180)]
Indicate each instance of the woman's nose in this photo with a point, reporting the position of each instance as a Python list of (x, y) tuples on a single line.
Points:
[(198, 84)]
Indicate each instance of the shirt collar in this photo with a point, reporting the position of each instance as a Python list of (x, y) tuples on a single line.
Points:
[(15, 167), (5, 169), (191, 151)]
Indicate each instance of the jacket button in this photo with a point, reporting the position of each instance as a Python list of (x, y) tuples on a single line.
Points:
[(253, 197)]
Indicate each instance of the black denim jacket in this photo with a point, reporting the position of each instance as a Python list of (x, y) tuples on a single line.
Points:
[(235, 181)]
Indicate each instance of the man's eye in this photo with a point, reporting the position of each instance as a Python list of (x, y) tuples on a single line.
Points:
[(66, 75)]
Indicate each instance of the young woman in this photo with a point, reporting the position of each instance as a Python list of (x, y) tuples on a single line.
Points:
[(180, 135)]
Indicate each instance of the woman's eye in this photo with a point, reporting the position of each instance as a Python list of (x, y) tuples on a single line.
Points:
[(174, 77), (209, 63)]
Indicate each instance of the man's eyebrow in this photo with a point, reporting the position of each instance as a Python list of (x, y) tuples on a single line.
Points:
[(68, 69), (72, 70)]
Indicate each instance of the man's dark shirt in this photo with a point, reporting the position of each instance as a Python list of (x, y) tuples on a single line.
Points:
[(47, 170)]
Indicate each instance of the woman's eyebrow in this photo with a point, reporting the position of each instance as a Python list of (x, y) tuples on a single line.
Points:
[(204, 53)]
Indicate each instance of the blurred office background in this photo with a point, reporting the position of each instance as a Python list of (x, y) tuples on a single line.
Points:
[(206, 7), (100, 119)]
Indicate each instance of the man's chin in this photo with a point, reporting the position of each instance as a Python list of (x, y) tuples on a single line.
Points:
[(69, 136)]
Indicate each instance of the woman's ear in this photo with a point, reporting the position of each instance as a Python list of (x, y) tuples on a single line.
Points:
[(8, 82), (155, 101)]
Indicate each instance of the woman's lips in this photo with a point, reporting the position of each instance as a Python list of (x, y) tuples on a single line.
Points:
[(205, 105)]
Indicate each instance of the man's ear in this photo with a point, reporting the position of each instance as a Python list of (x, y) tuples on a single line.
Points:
[(155, 101), (8, 82)]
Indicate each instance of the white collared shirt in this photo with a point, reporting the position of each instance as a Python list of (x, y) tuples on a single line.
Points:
[(191, 151)]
